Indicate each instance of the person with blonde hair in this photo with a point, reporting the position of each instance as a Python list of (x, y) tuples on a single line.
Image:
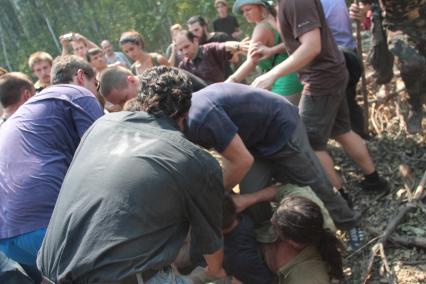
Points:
[(265, 33), (133, 45), (40, 63)]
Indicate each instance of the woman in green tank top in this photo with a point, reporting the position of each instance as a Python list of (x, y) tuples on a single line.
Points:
[(265, 33), (133, 45)]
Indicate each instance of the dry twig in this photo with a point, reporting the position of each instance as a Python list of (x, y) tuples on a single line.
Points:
[(394, 222)]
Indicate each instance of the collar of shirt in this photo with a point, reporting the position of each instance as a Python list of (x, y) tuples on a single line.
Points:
[(198, 56)]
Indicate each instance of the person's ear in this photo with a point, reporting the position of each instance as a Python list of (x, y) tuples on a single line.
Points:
[(80, 77), (26, 94), (132, 80)]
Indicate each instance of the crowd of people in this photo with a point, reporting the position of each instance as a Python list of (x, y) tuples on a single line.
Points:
[(104, 173)]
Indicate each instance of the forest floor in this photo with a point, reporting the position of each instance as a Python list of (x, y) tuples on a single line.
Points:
[(401, 159)]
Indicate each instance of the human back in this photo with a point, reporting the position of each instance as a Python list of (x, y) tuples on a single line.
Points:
[(263, 120), (36, 145), (135, 187)]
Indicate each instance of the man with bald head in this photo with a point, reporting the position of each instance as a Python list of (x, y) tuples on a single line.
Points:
[(114, 58)]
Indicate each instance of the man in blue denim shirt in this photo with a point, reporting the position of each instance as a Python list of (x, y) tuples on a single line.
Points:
[(37, 144)]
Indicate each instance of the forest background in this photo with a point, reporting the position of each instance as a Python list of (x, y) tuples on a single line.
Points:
[(27, 26)]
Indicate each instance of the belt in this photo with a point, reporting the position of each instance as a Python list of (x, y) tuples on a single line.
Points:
[(138, 278)]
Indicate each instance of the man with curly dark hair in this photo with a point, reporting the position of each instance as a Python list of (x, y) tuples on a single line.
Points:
[(148, 185), (259, 135)]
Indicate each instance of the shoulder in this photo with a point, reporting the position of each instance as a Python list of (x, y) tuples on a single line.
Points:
[(307, 268), (263, 32), (308, 273)]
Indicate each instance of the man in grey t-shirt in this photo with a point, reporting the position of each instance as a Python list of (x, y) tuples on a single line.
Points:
[(134, 189)]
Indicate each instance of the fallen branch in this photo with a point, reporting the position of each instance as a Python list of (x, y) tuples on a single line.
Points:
[(409, 241), (378, 248)]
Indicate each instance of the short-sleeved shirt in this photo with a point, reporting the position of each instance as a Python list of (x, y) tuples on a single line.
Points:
[(209, 63), (306, 268), (326, 73), (263, 120), (135, 187), (37, 144), (228, 25)]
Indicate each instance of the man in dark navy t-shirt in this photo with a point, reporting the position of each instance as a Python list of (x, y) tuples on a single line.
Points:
[(260, 137)]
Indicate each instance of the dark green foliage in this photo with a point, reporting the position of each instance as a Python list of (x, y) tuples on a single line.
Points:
[(24, 24)]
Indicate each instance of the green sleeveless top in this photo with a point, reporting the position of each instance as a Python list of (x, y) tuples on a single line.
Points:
[(287, 85), (154, 59)]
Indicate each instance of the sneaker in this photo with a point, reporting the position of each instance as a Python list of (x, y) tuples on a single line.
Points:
[(380, 185), (414, 122), (346, 197), (355, 238)]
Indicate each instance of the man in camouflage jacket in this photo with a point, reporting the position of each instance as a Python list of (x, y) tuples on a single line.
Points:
[(405, 24)]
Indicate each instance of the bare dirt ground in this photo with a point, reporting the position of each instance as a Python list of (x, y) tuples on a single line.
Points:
[(401, 159)]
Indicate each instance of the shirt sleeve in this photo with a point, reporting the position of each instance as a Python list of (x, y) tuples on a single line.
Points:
[(217, 130), (220, 52), (303, 15), (205, 207), (89, 111)]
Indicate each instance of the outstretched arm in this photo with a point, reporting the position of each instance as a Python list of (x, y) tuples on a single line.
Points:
[(262, 35), (310, 47)]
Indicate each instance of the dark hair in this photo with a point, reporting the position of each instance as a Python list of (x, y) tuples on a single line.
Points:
[(11, 86), (165, 90), (132, 37), (65, 67), (229, 212), (132, 105), (114, 78), (189, 35), (300, 220), (92, 52), (197, 19)]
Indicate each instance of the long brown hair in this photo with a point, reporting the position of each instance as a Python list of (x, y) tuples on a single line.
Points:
[(300, 220)]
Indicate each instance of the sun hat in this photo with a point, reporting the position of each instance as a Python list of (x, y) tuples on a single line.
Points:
[(236, 9)]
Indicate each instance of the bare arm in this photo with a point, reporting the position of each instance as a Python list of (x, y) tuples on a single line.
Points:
[(358, 11), (172, 58), (243, 201), (261, 35), (90, 44), (214, 264), (236, 163), (65, 45), (162, 60), (262, 51), (310, 47)]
